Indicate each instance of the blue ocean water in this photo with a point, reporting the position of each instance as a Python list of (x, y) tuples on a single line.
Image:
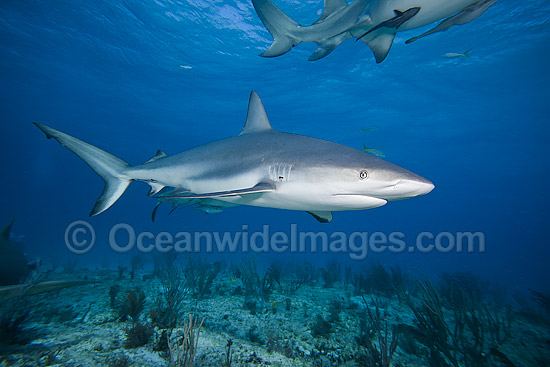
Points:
[(135, 76)]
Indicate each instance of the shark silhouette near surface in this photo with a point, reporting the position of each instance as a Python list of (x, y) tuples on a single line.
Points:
[(374, 22), (259, 167)]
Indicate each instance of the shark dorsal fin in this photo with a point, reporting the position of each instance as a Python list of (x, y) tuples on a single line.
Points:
[(5, 234), (160, 154), (256, 118), (398, 13)]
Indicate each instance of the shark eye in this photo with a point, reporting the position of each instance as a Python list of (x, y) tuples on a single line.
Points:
[(363, 175)]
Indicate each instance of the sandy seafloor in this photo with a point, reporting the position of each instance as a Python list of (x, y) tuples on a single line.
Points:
[(77, 327)]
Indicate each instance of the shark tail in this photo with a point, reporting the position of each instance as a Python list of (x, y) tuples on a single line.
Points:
[(279, 25), (467, 53), (110, 168)]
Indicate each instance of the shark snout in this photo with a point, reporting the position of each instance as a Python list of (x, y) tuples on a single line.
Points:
[(408, 188)]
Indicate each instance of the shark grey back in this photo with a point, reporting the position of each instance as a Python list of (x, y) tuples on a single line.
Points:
[(259, 167)]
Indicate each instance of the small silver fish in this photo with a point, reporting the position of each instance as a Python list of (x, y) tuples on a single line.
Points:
[(455, 55)]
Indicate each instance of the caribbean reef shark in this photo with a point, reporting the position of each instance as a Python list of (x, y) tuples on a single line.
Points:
[(14, 266), (259, 167), (374, 22)]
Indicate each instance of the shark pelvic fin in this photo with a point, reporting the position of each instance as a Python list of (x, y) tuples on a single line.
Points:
[(155, 188), (322, 217), (331, 6), (110, 168), (256, 118), (160, 154), (381, 45), (259, 188), (279, 25)]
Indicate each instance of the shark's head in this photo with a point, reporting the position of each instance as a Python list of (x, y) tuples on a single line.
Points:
[(363, 181), (393, 183)]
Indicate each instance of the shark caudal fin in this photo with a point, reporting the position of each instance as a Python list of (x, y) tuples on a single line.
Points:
[(279, 25), (110, 168)]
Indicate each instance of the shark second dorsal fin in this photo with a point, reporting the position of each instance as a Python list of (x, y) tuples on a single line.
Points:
[(331, 6), (160, 154), (5, 234), (256, 118)]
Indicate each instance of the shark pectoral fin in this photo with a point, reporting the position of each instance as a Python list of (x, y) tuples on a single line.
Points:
[(259, 188), (331, 6), (380, 45), (322, 217)]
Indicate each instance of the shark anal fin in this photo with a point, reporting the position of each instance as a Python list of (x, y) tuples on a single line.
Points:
[(322, 217), (328, 46), (381, 45), (261, 187)]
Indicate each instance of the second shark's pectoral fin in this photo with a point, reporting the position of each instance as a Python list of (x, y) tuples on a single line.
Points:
[(259, 188), (322, 217), (380, 45), (327, 46)]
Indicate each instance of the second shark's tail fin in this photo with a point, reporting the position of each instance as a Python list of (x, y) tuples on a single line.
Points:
[(110, 168), (279, 25), (467, 53)]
